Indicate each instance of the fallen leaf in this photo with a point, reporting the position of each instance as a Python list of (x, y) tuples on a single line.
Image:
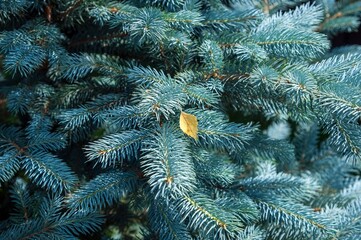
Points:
[(189, 124)]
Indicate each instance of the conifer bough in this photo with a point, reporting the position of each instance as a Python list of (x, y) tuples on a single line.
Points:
[(154, 119)]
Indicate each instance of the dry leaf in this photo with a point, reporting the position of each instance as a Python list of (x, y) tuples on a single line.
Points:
[(189, 124)]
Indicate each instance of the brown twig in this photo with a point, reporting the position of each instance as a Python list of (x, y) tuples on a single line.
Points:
[(336, 15), (69, 10)]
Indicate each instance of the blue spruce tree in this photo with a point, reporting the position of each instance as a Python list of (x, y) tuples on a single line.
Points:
[(156, 119)]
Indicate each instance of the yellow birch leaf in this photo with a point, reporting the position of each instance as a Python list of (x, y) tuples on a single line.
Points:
[(189, 124)]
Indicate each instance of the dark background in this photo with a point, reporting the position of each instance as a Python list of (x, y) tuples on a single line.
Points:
[(347, 39)]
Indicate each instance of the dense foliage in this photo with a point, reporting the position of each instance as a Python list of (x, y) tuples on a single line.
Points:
[(118, 120)]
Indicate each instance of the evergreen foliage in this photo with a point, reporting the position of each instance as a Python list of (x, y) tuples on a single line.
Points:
[(91, 96)]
